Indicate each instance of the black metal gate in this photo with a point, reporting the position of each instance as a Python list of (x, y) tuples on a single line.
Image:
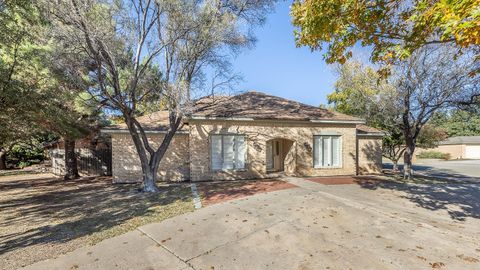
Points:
[(90, 162)]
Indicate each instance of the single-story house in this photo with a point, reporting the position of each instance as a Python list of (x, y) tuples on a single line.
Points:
[(460, 147), (252, 135)]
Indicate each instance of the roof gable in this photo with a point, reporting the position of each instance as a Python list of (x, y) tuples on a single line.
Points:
[(364, 130)]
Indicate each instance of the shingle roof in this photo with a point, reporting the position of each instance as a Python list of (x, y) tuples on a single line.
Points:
[(254, 105), (156, 121), (364, 129), (258, 105), (461, 140)]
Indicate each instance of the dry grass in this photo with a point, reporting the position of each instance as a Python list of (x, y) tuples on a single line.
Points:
[(42, 217)]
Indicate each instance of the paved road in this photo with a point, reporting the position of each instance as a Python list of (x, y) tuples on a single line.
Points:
[(315, 226), (455, 169)]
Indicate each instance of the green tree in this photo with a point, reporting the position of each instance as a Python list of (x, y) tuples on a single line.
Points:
[(393, 28), (34, 96), (360, 91), (157, 51), (432, 80), (458, 122), (404, 103), (20, 67)]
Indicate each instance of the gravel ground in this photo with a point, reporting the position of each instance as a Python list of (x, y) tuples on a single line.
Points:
[(42, 217)]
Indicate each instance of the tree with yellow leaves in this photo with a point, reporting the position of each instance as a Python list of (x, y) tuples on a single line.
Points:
[(393, 28)]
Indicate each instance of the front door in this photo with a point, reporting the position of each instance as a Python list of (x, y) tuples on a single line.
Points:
[(274, 155), (277, 156)]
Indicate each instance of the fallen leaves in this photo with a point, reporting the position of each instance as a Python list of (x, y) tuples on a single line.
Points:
[(467, 258), (437, 265)]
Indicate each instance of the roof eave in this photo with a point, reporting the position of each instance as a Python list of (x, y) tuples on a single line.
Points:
[(125, 131), (333, 121), (375, 134), (459, 143), (199, 117), (323, 121)]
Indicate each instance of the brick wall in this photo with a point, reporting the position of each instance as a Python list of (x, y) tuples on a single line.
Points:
[(126, 164), (369, 155), (257, 134)]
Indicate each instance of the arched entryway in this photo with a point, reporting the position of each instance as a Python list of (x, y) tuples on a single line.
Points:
[(280, 155)]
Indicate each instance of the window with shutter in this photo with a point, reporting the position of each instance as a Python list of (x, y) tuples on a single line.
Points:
[(327, 151), (228, 152), (336, 151), (240, 152), (217, 160), (317, 156)]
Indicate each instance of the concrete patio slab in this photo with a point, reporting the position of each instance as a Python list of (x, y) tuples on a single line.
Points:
[(132, 250), (286, 246), (197, 233), (314, 226)]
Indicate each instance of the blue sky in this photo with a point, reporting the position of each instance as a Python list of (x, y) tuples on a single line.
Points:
[(277, 67)]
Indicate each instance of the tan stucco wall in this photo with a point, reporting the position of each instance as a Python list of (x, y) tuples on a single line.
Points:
[(126, 164), (456, 151), (257, 134), (369, 155)]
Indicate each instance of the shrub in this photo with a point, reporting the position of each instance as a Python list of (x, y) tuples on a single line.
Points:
[(23, 155), (23, 164), (434, 154)]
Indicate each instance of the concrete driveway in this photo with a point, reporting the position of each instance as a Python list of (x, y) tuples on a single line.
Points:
[(315, 226), (452, 169)]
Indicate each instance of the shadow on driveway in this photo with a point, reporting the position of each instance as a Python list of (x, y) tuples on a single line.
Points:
[(437, 171), (460, 200)]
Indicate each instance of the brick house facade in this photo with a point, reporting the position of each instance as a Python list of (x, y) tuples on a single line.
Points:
[(291, 130)]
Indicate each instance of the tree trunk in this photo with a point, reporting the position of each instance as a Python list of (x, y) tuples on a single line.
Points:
[(150, 171), (71, 169), (407, 158), (3, 160), (395, 165), (150, 180), (149, 157)]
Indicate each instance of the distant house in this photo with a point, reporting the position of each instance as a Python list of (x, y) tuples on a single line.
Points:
[(253, 135), (460, 147)]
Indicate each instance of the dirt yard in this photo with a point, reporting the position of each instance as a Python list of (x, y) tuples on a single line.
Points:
[(42, 216)]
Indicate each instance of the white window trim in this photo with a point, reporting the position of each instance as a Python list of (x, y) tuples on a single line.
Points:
[(211, 154), (340, 142)]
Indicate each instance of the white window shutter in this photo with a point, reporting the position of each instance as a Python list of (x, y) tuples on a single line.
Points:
[(327, 151), (217, 159), (317, 152), (228, 154), (336, 153), (327, 158), (240, 152), (269, 155)]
